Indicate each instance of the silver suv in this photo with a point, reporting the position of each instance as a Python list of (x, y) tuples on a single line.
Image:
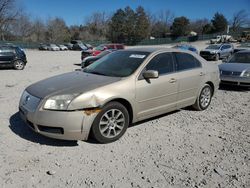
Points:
[(119, 89), (217, 51)]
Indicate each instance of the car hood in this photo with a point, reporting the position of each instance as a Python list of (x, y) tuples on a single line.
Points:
[(210, 50), (237, 67), (76, 82)]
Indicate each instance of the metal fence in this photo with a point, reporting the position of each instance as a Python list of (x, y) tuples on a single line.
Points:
[(169, 40), (157, 41)]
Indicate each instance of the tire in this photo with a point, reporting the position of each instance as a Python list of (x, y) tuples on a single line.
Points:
[(111, 123), (217, 57), (19, 65), (204, 99)]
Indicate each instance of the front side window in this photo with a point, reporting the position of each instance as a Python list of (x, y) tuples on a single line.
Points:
[(163, 63), (186, 61)]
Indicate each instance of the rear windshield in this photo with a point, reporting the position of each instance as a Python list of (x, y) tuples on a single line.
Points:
[(118, 64)]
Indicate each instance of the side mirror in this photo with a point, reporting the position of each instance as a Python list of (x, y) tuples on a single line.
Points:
[(150, 74)]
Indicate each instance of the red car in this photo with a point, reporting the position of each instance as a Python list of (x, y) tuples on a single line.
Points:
[(101, 48)]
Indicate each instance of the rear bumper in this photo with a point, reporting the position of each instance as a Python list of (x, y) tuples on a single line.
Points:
[(235, 80)]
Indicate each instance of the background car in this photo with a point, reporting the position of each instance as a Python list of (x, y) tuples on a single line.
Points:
[(237, 70), (91, 59), (12, 56), (69, 45), (62, 47), (97, 50), (217, 51), (53, 47), (242, 46), (43, 47), (187, 47)]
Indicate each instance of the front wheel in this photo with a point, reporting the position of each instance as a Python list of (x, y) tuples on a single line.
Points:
[(111, 123), (204, 99), (217, 57), (19, 65)]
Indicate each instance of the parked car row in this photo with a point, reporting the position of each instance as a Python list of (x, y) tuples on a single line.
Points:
[(73, 45)]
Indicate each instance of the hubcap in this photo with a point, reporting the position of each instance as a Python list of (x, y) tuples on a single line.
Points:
[(19, 64), (205, 97), (112, 123)]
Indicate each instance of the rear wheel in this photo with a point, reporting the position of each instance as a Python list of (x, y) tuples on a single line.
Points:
[(204, 99), (19, 65), (111, 123)]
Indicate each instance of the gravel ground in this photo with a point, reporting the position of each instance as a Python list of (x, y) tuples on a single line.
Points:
[(181, 149)]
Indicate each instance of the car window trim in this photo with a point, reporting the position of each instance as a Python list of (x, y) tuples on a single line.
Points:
[(140, 77), (174, 54)]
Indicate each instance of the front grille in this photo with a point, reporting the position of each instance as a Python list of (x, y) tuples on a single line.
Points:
[(29, 102), (244, 84), (229, 82), (56, 130), (204, 53), (230, 73)]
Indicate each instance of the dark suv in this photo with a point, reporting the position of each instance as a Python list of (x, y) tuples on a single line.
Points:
[(12, 56)]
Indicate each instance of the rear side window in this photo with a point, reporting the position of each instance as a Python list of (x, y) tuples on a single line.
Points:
[(7, 49), (186, 61), (163, 63)]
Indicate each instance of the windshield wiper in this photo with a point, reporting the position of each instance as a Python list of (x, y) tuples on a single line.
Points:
[(95, 72)]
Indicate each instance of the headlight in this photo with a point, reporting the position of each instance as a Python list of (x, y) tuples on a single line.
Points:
[(60, 102), (246, 74)]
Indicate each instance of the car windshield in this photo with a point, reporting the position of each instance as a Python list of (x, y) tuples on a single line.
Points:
[(117, 64), (240, 58), (213, 47), (100, 48), (83, 46)]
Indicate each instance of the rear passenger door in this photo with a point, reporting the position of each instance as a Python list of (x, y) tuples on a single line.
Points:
[(157, 96), (189, 76)]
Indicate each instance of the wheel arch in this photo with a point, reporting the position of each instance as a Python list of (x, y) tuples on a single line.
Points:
[(126, 104), (211, 85)]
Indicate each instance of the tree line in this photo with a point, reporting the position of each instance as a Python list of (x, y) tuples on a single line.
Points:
[(123, 26)]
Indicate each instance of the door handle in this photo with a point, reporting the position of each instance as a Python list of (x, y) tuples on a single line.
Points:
[(202, 74), (172, 80)]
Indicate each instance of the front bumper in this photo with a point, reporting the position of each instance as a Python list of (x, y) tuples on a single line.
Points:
[(208, 57), (66, 125), (235, 80)]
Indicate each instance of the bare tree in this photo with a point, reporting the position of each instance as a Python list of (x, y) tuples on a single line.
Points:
[(198, 25), (22, 27), (240, 19), (8, 13), (97, 25), (57, 31), (166, 16), (38, 31)]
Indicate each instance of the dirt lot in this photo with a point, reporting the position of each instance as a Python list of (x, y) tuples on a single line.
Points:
[(181, 149)]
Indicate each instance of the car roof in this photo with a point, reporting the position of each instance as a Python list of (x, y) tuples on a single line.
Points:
[(155, 49)]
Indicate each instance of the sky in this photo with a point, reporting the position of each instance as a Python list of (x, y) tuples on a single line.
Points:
[(76, 11)]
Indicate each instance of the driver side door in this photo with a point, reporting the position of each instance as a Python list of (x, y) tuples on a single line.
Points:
[(157, 96)]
